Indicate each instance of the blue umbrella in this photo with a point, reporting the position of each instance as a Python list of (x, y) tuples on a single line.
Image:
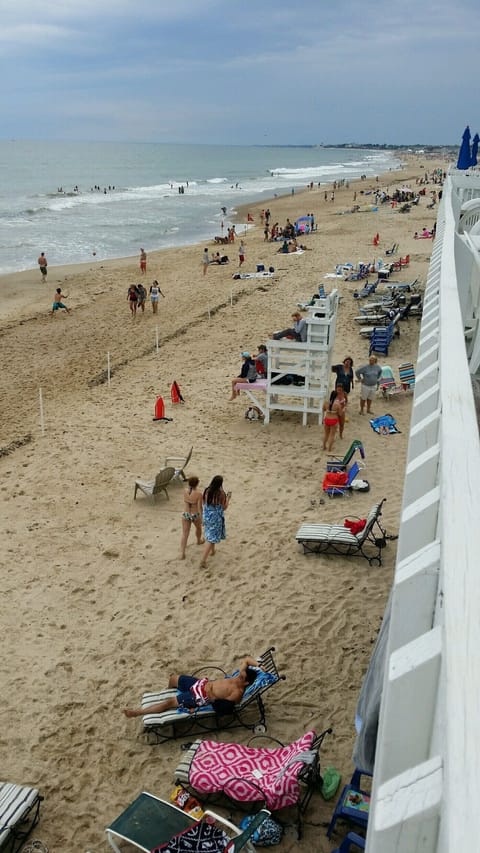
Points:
[(476, 140), (464, 156)]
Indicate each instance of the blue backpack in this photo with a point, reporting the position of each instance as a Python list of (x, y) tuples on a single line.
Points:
[(268, 833)]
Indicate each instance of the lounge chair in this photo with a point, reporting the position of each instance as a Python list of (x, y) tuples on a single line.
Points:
[(180, 723), (375, 318), (19, 813), (397, 286), (151, 824), (356, 275), (152, 488), (335, 538), (366, 290), (391, 317), (180, 463), (336, 464), (275, 776), (353, 804)]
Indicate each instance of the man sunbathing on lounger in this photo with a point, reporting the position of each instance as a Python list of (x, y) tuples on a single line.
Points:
[(222, 693)]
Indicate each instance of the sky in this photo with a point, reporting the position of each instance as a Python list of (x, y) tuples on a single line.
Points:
[(252, 72)]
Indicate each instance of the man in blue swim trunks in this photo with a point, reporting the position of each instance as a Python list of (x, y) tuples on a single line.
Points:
[(58, 296), (192, 693)]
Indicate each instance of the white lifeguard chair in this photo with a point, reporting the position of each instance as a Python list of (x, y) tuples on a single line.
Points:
[(306, 363)]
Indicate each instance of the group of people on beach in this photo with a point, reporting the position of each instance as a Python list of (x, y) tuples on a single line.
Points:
[(207, 508), (137, 296), (334, 409)]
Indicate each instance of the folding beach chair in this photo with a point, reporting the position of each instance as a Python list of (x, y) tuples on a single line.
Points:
[(153, 825), (393, 250), (276, 776), (387, 383), (381, 338), (406, 373), (334, 464), (248, 713), (19, 814), (333, 486), (336, 539)]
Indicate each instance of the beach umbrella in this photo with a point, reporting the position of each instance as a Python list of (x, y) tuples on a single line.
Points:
[(464, 156), (476, 140)]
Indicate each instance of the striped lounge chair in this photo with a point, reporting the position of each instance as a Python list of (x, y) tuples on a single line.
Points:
[(337, 539), (19, 813), (249, 712)]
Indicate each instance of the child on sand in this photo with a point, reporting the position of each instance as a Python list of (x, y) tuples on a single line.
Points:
[(57, 302)]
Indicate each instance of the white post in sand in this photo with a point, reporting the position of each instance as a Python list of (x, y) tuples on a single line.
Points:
[(40, 402), (156, 339), (108, 368)]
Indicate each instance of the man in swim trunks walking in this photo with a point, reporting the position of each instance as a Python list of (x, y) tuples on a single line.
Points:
[(222, 693), (143, 261), (43, 263)]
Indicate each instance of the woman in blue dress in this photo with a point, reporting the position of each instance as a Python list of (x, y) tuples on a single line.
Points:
[(215, 502)]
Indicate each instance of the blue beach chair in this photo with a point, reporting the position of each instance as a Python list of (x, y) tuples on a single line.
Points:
[(339, 490)]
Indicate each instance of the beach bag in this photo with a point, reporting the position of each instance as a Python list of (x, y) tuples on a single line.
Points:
[(360, 485), (252, 414), (267, 834), (331, 779)]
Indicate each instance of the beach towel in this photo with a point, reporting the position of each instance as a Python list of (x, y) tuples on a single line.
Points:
[(247, 774), (199, 838), (384, 425), (333, 479)]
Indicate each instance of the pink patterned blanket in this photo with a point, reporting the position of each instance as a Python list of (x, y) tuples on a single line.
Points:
[(247, 773)]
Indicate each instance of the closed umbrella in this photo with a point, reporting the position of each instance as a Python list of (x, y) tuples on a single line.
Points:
[(476, 140), (464, 156)]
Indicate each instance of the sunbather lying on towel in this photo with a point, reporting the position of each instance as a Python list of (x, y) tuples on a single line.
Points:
[(222, 693)]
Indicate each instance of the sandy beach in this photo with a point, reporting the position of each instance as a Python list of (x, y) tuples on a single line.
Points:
[(98, 607)]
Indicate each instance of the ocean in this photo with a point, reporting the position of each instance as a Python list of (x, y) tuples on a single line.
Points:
[(78, 201)]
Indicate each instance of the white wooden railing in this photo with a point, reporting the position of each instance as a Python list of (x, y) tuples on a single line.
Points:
[(426, 786)]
